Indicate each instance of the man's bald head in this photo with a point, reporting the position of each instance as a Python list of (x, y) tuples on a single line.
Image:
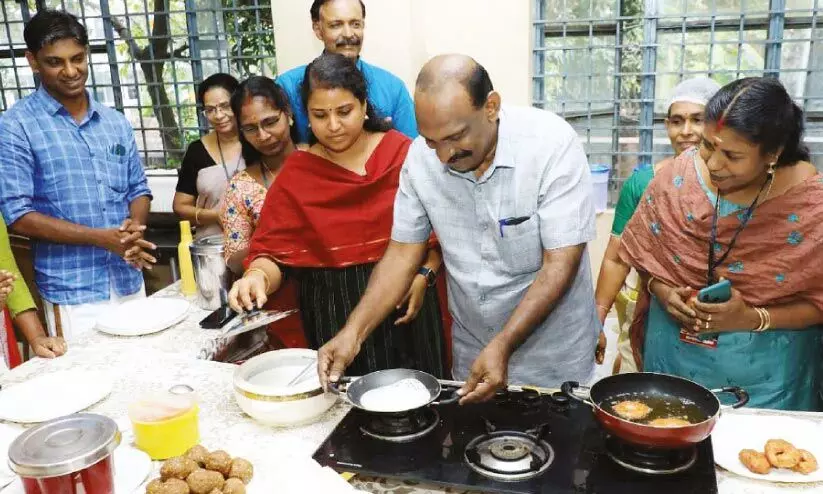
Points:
[(457, 111), (443, 71)]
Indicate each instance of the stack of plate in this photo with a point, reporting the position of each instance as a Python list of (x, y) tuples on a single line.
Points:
[(143, 316)]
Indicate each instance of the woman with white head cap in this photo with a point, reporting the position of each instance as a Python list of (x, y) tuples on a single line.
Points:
[(684, 125)]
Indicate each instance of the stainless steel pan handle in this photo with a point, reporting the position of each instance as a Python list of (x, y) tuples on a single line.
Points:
[(571, 388)]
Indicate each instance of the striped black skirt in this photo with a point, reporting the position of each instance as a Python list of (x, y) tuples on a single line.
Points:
[(328, 296)]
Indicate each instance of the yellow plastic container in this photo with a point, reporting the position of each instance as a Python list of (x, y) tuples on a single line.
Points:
[(187, 281), (165, 425)]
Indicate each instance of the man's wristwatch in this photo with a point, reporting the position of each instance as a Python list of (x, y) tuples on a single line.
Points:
[(429, 274)]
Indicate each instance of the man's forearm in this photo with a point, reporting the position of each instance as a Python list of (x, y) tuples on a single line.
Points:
[(388, 283), (553, 280), (39, 226), (139, 209)]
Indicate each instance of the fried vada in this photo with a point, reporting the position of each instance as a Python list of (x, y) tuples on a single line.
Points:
[(632, 410), (781, 454), (755, 461)]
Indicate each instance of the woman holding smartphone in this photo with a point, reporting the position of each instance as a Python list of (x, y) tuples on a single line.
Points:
[(745, 207)]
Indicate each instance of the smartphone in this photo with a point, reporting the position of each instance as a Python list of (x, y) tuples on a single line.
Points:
[(218, 318), (716, 294)]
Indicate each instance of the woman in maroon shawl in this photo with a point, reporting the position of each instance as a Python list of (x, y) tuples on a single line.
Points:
[(327, 221)]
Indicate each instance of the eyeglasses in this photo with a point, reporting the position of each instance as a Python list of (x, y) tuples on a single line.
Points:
[(224, 108), (267, 124)]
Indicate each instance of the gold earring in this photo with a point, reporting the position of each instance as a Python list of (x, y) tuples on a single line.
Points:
[(771, 168), (367, 116), (291, 122)]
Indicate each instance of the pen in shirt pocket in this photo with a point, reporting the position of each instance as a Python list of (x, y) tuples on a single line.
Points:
[(511, 222)]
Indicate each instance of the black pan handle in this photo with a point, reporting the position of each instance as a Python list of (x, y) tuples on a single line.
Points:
[(568, 388), (341, 386), (739, 393), (454, 398)]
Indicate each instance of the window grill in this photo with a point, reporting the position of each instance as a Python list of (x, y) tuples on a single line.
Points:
[(609, 66), (146, 58)]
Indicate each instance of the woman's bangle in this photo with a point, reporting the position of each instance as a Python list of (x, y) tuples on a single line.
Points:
[(649, 284), (196, 214), (762, 320), (265, 276), (765, 319), (607, 309)]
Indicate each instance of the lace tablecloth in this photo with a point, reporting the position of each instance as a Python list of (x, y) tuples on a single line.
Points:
[(185, 338), (180, 355)]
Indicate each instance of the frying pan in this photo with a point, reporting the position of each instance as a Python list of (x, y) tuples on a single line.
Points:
[(354, 389), (646, 385)]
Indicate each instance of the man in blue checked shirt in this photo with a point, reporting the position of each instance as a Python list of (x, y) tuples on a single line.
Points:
[(72, 181), (339, 24)]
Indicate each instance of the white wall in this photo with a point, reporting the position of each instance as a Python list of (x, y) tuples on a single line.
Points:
[(402, 34)]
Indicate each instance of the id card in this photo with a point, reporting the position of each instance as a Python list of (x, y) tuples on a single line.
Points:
[(693, 339)]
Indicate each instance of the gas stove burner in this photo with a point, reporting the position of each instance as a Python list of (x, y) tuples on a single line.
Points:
[(508, 449), (650, 461), (401, 428), (508, 456)]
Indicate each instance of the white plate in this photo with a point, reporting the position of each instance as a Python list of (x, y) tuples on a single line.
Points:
[(734, 432), (131, 467), (143, 316), (8, 433), (53, 395)]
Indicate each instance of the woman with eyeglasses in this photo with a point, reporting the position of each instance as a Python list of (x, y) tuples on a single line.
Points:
[(210, 162), (327, 221), (264, 118), (266, 127), (746, 208)]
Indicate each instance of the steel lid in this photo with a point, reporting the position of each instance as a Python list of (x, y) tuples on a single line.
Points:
[(212, 244), (63, 445)]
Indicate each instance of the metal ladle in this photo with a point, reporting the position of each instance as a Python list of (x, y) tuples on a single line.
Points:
[(302, 373)]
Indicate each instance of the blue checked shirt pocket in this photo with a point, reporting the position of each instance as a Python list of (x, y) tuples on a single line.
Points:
[(117, 168), (520, 247)]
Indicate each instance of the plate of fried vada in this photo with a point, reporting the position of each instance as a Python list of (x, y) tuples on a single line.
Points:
[(769, 447)]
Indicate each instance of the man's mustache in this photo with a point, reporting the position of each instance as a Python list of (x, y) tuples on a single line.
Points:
[(351, 41), (459, 156)]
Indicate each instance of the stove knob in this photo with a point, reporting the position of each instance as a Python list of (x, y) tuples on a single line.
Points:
[(530, 397), (559, 399), (502, 397)]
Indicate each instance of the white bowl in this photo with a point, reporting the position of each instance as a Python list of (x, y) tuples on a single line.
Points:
[(260, 388)]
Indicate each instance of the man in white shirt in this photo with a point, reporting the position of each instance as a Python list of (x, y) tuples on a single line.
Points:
[(507, 192)]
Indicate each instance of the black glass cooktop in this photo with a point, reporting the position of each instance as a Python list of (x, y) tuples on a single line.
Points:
[(580, 464)]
